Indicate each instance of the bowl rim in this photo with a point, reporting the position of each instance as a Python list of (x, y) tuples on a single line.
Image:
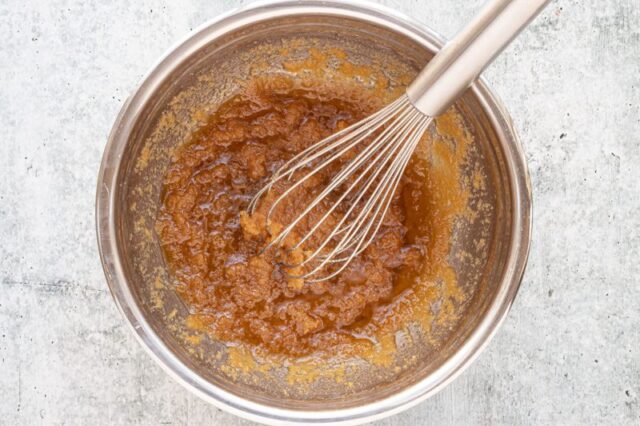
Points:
[(248, 409)]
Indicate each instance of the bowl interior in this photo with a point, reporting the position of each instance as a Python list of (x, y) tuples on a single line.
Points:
[(194, 87)]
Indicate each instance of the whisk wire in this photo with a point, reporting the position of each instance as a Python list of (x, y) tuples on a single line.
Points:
[(340, 177), (359, 241), (300, 160), (344, 174), (388, 152), (376, 171), (388, 196)]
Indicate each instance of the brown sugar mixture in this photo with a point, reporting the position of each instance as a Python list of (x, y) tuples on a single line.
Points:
[(213, 247)]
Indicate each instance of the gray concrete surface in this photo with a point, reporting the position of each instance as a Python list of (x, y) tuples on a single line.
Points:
[(569, 352)]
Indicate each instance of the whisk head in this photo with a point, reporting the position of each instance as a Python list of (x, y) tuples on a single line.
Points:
[(357, 196)]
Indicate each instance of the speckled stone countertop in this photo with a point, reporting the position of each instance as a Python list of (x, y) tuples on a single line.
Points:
[(569, 351)]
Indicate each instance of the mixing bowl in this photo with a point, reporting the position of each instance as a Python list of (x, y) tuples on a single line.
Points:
[(175, 98)]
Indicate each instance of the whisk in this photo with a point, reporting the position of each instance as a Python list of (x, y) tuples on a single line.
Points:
[(364, 186)]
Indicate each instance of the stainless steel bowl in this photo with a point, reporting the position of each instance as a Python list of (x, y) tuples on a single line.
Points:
[(162, 111)]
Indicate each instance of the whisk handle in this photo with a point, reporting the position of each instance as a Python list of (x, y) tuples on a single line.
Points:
[(463, 58)]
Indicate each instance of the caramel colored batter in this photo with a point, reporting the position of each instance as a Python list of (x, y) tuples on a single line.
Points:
[(213, 246)]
